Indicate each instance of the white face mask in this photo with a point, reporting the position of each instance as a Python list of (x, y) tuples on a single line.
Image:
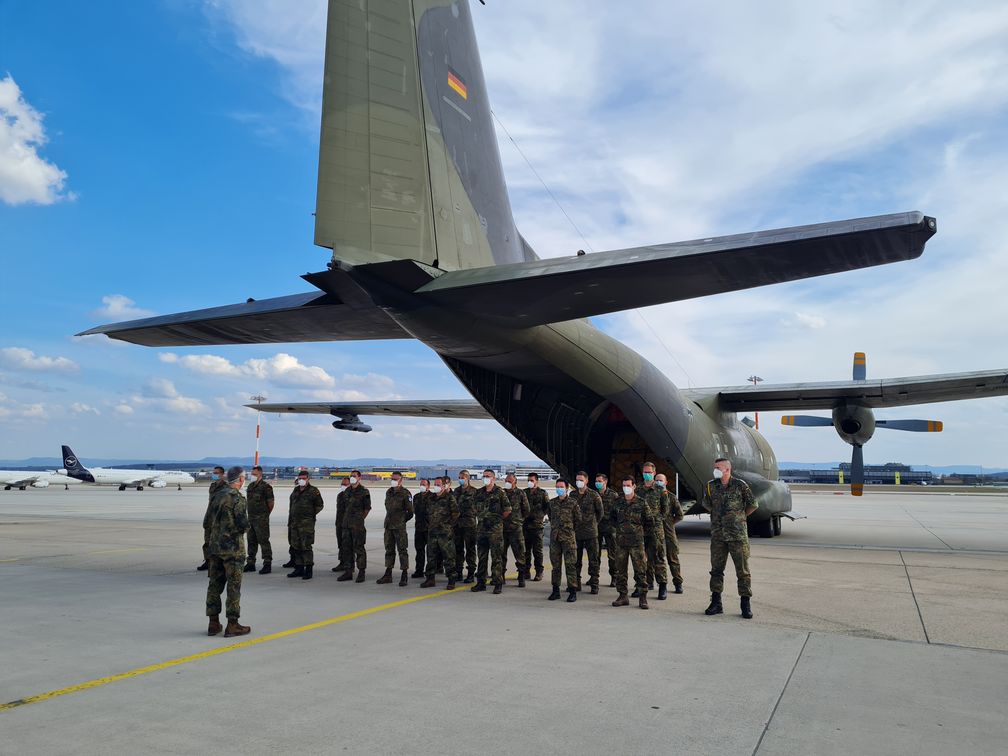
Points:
[(530, 484), (507, 486), (423, 489), (487, 481), (579, 483), (627, 490), (353, 480), (256, 477), (344, 487), (718, 473), (393, 483), (302, 482), (437, 489)]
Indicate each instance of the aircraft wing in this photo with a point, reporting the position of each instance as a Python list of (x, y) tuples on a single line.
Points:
[(18, 478), (888, 392), (557, 289), (439, 408)]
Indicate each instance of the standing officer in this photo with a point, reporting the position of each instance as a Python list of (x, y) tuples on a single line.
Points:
[(305, 504), (654, 534), (538, 509), (343, 553), (358, 504), (673, 515), (421, 525), (398, 511), (514, 528), (590, 504), (607, 527), (631, 515), (441, 516), (565, 518), (465, 528), (730, 501), (492, 509), (225, 554), (260, 506), (217, 482)]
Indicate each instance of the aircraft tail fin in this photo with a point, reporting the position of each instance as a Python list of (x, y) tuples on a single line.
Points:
[(73, 466), (409, 166)]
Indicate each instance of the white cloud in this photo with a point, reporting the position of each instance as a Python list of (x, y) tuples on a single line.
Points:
[(19, 358), (162, 394), (280, 370), (120, 307), (11, 409), (24, 175), (810, 321), (82, 409), (123, 409), (160, 388)]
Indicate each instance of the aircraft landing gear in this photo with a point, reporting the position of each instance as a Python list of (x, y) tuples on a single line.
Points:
[(122, 487), (6, 488), (776, 524), (139, 488), (22, 488)]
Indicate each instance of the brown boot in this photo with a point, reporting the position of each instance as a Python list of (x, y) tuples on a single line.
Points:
[(428, 583), (404, 580), (642, 602), (348, 575), (386, 578), (538, 576), (233, 628), (215, 625), (621, 600)]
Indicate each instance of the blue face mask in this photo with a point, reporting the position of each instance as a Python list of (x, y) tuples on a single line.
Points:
[(561, 491), (599, 486), (648, 477), (660, 483), (215, 476)]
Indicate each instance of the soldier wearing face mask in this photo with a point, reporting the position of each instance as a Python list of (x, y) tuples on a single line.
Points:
[(514, 528), (631, 516), (421, 505), (358, 504), (730, 501), (565, 518), (654, 535), (590, 504), (305, 504), (398, 511), (343, 553), (465, 528), (538, 502), (260, 504), (607, 526), (217, 482), (442, 515)]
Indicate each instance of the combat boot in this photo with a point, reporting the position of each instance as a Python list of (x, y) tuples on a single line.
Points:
[(348, 575), (636, 593), (233, 628), (650, 585), (642, 601), (469, 576), (612, 583), (678, 588), (715, 605), (298, 572), (288, 564), (521, 580), (662, 591), (572, 595), (428, 583), (360, 576), (203, 567), (538, 576), (267, 568), (249, 567), (498, 587), (404, 579), (556, 593), (450, 586), (746, 608), (215, 626), (480, 586), (594, 589), (386, 578), (621, 600), (418, 574), (307, 572)]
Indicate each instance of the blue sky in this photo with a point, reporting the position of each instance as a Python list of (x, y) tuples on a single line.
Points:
[(158, 157)]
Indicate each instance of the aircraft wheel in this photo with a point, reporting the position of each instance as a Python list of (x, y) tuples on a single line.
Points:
[(21, 488), (139, 488), (766, 528), (777, 525), (6, 488), (122, 488)]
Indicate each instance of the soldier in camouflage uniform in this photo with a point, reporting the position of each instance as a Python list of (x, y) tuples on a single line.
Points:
[(342, 552), (226, 553), (492, 509), (730, 501), (590, 504), (565, 518), (421, 505), (305, 504), (441, 516), (631, 516), (538, 509), (358, 504), (654, 534), (260, 504), (514, 528), (673, 515), (607, 526), (465, 528), (398, 511), (217, 482)]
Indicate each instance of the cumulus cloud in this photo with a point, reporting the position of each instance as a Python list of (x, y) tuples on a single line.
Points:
[(82, 409), (19, 358), (120, 307), (123, 409), (161, 393), (11, 409), (810, 321), (280, 370), (25, 176)]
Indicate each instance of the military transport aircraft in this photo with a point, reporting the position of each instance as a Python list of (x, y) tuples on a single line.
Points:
[(412, 202)]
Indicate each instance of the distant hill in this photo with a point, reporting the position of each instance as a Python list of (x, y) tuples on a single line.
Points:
[(56, 462)]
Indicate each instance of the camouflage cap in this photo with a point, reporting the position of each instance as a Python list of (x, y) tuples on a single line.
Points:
[(234, 473)]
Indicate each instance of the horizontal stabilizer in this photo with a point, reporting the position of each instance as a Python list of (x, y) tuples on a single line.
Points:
[(558, 289), (440, 408)]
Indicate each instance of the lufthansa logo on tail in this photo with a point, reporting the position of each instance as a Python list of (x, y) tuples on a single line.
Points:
[(70, 461)]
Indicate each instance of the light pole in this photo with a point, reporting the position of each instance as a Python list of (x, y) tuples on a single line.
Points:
[(754, 379), (258, 399)]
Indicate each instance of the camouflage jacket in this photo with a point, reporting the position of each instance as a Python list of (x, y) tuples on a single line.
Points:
[(632, 518), (491, 506), (260, 498), (305, 503), (653, 499), (358, 504), (727, 505), (673, 513), (519, 509), (539, 507), (341, 507), (565, 518), (442, 513), (398, 507), (215, 486), (421, 507), (609, 500), (590, 504), (230, 521), (465, 496)]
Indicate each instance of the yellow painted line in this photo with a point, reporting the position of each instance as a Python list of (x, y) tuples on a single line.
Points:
[(216, 651)]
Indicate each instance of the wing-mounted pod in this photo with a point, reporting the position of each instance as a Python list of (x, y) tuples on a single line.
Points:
[(350, 422)]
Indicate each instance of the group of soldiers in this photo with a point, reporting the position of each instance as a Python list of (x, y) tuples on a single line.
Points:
[(475, 525)]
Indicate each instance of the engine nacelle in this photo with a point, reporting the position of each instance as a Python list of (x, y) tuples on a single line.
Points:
[(854, 424), (158, 484), (40, 484), (352, 425)]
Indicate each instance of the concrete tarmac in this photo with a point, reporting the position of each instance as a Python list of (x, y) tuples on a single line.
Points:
[(879, 628)]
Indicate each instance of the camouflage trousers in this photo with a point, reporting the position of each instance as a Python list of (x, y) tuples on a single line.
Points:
[(491, 543), (589, 545), (654, 546), (342, 552), (290, 540), (563, 554), (258, 535), (420, 545), (396, 540), (534, 549), (465, 548), (630, 550), (607, 540), (302, 541), (719, 551), (354, 540), (224, 572), (515, 540), (672, 555), (440, 547)]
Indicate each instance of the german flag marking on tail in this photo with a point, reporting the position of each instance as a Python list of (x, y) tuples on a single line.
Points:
[(457, 84)]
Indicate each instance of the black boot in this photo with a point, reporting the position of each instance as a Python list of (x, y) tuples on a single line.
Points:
[(386, 578), (498, 587), (203, 567), (428, 583), (468, 577), (521, 580), (480, 586), (404, 579), (636, 593), (289, 563), (662, 591), (571, 595), (298, 572), (678, 588), (249, 567), (348, 575), (360, 577), (594, 589), (556, 593), (418, 574), (267, 568), (307, 572), (715, 605), (746, 608)]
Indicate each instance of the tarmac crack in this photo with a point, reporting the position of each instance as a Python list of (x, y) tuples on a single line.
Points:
[(787, 682), (912, 593)]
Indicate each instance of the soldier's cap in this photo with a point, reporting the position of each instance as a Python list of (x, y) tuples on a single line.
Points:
[(234, 473)]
